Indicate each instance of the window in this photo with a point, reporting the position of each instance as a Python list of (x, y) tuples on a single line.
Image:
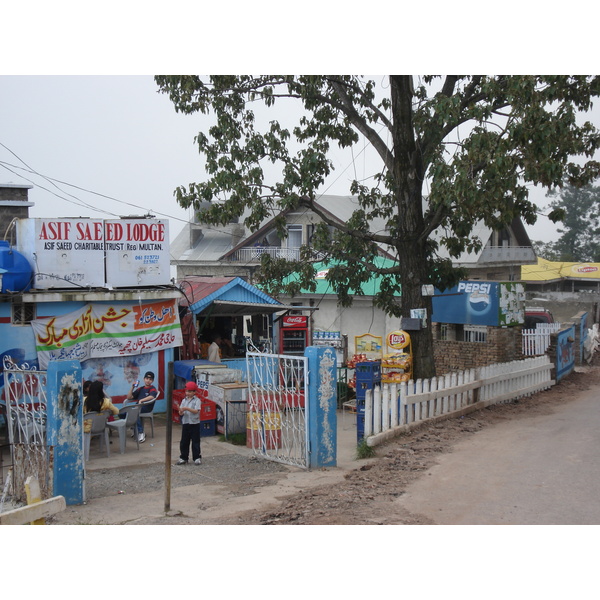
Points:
[(447, 332), (23, 313), (475, 333), (294, 236)]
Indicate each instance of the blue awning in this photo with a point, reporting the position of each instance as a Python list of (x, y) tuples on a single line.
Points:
[(185, 368)]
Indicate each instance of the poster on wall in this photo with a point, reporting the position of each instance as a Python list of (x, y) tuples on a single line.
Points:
[(118, 374), (470, 302), (103, 330), (488, 303)]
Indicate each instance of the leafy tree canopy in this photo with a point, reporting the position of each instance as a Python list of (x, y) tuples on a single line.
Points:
[(476, 143), (579, 212)]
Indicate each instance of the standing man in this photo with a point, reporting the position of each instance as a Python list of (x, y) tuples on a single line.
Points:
[(189, 410), (214, 354), (145, 396)]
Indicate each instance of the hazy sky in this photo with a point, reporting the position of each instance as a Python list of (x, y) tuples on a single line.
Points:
[(123, 142), (115, 138)]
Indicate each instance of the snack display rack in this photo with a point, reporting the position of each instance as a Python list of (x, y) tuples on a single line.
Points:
[(397, 364)]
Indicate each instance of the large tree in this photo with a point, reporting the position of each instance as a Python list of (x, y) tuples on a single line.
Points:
[(579, 209), (476, 142)]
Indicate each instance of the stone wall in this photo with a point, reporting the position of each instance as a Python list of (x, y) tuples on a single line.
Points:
[(503, 345)]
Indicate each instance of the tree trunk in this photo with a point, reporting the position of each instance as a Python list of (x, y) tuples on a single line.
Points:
[(422, 341), (408, 176)]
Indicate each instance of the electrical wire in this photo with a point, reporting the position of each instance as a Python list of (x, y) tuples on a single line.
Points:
[(79, 202)]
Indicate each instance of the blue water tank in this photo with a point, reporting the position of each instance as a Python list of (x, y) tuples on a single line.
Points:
[(15, 270)]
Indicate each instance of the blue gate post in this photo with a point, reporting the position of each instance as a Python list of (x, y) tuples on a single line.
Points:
[(64, 427), (322, 406), (565, 357)]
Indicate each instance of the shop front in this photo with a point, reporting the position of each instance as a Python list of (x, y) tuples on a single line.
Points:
[(238, 316)]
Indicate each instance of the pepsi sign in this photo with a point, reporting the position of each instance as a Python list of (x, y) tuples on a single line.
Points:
[(468, 303)]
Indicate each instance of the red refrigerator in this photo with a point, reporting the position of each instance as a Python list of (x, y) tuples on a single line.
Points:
[(293, 334)]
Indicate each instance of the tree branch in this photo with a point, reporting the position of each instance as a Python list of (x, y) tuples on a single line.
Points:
[(347, 107)]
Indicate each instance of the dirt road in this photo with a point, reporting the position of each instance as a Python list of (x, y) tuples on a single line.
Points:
[(412, 480), (538, 469)]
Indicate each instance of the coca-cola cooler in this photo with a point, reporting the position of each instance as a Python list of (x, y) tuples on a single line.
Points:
[(293, 334)]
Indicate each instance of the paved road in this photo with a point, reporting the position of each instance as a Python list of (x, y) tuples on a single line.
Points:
[(538, 470)]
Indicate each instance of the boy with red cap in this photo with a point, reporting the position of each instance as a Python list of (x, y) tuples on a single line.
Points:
[(189, 410)]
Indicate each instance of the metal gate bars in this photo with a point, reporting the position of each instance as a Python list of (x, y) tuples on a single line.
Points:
[(277, 404), (26, 402)]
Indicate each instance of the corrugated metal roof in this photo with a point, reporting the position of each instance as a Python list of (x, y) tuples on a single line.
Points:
[(201, 292), (547, 271), (323, 287)]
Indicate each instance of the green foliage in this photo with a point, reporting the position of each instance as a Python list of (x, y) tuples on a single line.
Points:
[(237, 439), (363, 450), (546, 250), (476, 142), (579, 211)]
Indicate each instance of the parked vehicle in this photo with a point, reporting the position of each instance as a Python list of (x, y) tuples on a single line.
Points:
[(535, 315)]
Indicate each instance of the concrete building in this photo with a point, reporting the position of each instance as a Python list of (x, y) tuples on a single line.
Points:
[(105, 301)]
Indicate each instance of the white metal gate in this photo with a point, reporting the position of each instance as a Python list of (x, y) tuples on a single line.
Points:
[(25, 393), (276, 422)]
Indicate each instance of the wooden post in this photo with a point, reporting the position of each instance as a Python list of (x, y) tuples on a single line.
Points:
[(169, 436), (32, 489)]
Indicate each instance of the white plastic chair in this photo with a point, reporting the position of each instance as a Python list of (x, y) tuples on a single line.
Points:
[(122, 425), (349, 406), (99, 422), (149, 415)]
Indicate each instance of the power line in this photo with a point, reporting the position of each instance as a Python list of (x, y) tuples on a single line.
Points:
[(80, 202)]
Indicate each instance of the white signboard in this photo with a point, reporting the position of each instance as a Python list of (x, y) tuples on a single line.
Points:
[(137, 252), (64, 253), (82, 253)]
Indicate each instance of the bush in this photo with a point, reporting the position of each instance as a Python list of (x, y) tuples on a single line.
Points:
[(364, 451)]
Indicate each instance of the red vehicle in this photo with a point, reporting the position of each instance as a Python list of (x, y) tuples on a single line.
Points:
[(535, 315)]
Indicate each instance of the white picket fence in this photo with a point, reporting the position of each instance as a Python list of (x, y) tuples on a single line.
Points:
[(536, 341), (396, 407)]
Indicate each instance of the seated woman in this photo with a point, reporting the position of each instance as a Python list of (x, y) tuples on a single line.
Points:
[(96, 401)]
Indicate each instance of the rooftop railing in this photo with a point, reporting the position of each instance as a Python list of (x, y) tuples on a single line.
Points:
[(253, 254)]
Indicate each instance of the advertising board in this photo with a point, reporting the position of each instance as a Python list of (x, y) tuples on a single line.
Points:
[(82, 253), (490, 303)]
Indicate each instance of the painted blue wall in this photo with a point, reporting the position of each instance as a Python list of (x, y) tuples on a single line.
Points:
[(583, 334)]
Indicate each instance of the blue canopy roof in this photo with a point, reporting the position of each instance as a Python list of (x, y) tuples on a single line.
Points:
[(226, 296)]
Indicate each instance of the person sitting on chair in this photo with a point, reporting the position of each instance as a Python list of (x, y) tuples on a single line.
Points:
[(144, 396), (96, 401)]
